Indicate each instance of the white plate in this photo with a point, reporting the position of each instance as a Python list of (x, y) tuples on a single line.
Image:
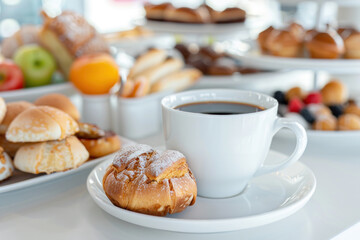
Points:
[(203, 29), (252, 57), (30, 94), (22, 180), (267, 199)]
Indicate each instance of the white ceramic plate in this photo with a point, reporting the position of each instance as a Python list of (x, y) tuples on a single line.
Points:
[(267, 199), (250, 55), (203, 29), (22, 180), (30, 94)]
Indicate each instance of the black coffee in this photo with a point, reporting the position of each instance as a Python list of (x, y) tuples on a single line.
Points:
[(219, 108)]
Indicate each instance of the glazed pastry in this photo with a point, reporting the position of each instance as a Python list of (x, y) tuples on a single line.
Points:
[(177, 81), (6, 166), (156, 11), (13, 109), (2, 109), (295, 92), (334, 93), (228, 15), (41, 123), (222, 67), (51, 156), (352, 46), (187, 15), (28, 34), (61, 102), (143, 180), (146, 61), (284, 43), (349, 122), (263, 36), (69, 36), (96, 141), (325, 123), (325, 45)]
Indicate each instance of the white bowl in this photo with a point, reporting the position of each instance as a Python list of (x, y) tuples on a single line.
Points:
[(139, 117)]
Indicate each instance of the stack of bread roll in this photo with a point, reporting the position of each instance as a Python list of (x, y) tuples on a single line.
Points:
[(154, 71)]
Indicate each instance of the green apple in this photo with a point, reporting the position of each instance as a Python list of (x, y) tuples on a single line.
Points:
[(36, 64)]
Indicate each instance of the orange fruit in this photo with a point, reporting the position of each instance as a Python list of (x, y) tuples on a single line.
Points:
[(94, 73)]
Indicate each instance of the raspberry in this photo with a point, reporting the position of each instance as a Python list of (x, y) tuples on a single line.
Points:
[(314, 97), (295, 105)]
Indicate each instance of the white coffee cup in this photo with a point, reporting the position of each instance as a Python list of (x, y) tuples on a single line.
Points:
[(226, 151)]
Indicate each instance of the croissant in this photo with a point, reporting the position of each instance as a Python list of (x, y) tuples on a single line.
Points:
[(143, 180)]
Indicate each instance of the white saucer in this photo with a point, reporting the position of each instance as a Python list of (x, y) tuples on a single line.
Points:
[(267, 199)]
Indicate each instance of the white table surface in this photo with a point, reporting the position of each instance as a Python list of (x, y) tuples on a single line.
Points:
[(63, 209)]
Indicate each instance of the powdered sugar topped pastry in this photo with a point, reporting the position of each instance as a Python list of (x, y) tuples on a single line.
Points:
[(6, 166), (144, 180)]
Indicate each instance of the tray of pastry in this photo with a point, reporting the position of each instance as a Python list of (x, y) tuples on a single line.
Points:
[(293, 47), (45, 140), (329, 115), (203, 19)]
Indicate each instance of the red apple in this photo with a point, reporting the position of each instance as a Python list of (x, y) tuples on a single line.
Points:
[(11, 76)]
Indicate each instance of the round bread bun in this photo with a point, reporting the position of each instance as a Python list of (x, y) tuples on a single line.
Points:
[(334, 92), (325, 123), (13, 109), (61, 102), (9, 147), (325, 45), (2, 109), (6, 166), (284, 43), (102, 146), (348, 122), (41, 123), (352, 46), (51, 156), (143, 180)]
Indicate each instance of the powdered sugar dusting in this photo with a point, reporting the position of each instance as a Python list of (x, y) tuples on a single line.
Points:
[(165, 160), (127, 154)]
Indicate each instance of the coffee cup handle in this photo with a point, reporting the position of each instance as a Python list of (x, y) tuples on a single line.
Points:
[(301, 141)]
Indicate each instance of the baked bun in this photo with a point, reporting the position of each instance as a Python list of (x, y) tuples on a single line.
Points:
[(350, 108), (61, 102), (98, 142), (28, 34), (13, 109), (352, 46), (187, 15), (6, 166), (146, 61), (297, 30), (349, 122), (41, 123), (143, 180), (325, 123), (284, 43), (69, 36), (51, 156), (295, 92), (9, 147), (325, 45), (263, 36), (334, 92), (228, 15), (2, 109), (177, 81), (156, 11)]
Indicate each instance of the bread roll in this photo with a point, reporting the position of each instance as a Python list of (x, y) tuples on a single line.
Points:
[(177, 81), (6, 166), (51, 156), (41, 123), (263, 36), (2, 109), (9, 147), (352, 46), (348, 122), (156, 11), (187, 15), (99, 147), (284, 43), (13, 109), (228, 15), (142, 180), (146, 61), (325, 45), (334, 92), (61, 102)]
